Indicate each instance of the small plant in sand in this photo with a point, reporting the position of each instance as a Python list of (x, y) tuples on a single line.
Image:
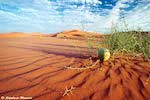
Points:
[(83, 67), (123, 39), (93, 43), (68, 91), (102, 54)]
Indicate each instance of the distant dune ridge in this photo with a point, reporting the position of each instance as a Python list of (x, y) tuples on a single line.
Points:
[(13, 34), (64, 34), (76, 33), (36, 33), (72, 34)]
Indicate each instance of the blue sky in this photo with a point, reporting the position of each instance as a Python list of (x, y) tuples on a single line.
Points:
[(51, 16)]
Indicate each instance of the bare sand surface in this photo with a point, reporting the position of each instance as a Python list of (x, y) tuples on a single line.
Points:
[(35, 67)]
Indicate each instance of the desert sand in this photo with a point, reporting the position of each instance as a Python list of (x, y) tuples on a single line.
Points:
[(37, 67)]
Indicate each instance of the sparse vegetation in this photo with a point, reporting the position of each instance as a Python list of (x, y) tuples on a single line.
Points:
[(122, 40), (133, 42), (93, 44)]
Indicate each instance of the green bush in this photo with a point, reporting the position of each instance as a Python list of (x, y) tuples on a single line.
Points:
[(122, 39), (134, 42)]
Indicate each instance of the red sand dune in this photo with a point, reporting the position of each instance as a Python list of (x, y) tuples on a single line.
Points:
[(76, 34), (35, 67), (72, 34)]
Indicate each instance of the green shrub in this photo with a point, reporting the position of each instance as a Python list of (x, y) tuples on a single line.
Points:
[(122, 40), (134, 42)]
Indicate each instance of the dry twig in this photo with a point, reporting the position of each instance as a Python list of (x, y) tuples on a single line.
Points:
[(83, 68), (67, 91)]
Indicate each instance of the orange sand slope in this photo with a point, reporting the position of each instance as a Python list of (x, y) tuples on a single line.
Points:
[(76, 34), (73, 34), (35, 67), (19, 35), (13, 34)]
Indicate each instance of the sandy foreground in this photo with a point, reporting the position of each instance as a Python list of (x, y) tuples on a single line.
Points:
[(35, 67)]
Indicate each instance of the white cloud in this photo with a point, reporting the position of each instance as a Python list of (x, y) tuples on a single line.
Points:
[(46, 16), (115, 12), (139, 17), (89, 1)]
